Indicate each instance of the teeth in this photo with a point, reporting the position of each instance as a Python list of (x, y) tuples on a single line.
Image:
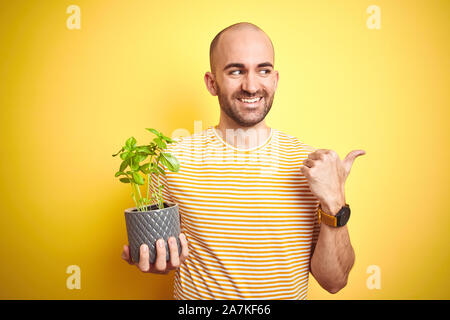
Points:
[(250, 100)]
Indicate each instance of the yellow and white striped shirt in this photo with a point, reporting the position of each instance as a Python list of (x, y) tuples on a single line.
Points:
[(248, 215)]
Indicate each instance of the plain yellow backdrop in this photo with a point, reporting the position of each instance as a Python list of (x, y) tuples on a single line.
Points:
[(70, 98)]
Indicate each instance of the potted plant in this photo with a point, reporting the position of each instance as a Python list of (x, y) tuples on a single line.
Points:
[(152, 218)]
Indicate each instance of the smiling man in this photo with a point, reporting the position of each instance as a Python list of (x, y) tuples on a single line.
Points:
[(242, 76), (259, 209)]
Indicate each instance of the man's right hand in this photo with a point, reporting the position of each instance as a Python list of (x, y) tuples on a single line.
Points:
[(160, 266)]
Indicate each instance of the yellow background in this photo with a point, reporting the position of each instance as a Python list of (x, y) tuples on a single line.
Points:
[(70, 98)]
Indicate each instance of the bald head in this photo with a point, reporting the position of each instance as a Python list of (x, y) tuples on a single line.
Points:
[(230, 36)]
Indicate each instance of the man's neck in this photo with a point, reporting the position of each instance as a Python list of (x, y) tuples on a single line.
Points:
[(243, 137)]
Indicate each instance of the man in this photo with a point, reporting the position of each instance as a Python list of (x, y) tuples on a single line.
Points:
[(249, 195)]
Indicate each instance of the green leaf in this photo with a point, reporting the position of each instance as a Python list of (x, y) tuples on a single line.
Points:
[(131, 143), (125, 180), (138, 178), (153, 131), (167, 138), (143, 149), (125, 155), (120, 173), (124, 165), (134, 165), (140, 157), (144, 168), (152, 147), (117, 152), (170, 161), (161, 144)]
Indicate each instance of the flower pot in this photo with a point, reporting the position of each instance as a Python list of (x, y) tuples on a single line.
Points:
[(149, 226)]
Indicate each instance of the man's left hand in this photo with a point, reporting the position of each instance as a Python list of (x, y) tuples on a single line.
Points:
[(326, 175)]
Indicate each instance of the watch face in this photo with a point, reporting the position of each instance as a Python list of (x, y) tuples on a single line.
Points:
[(343, 216)]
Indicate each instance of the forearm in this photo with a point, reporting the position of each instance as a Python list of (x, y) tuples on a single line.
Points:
[(333, 256)]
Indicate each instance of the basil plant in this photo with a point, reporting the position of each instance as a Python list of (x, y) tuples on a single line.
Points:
[(134, 157)]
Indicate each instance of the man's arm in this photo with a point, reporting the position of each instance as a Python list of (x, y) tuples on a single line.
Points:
[(333, 255)]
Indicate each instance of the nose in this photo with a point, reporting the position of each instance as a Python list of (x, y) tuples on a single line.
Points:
[(250, 83)]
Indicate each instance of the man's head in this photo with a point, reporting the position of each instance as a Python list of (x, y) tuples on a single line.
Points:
[(242, 67)]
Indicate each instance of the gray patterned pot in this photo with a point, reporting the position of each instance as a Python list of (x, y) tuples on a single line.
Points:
[(149, 226)]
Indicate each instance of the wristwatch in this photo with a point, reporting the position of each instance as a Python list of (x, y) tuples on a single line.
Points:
[(339, 220)]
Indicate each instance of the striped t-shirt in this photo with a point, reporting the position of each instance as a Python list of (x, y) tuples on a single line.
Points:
[(248, 215)]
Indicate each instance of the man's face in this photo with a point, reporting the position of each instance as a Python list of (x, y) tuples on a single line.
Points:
[(245, 78)]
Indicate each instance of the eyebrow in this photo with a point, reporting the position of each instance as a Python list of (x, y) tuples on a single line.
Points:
[(240, 65)]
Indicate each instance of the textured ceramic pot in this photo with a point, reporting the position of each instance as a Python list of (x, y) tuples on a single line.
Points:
[(149, 226)]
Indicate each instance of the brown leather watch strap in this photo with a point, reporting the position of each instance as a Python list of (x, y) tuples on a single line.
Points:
[(326, 218)]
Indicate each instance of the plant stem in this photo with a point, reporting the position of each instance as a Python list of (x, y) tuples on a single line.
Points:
[(152, 189), (139, 200), (146, 188), (134, 198), (148, 185), (148, 178), (140, 197), (160, 200), (133, 188)]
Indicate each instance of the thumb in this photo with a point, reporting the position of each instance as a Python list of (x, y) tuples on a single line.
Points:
[(348, 161)]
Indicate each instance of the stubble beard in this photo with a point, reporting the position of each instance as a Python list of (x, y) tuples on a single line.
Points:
[(243, 118)]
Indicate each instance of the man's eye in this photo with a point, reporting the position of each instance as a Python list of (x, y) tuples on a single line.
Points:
[(264, 71)]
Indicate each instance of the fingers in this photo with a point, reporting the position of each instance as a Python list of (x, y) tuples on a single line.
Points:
[(308, 162), (184, 247), (126, 254), (312, 157), (315, 155), (321, 154), (173, 249), (144, 263), (350, 158), (160, 263)]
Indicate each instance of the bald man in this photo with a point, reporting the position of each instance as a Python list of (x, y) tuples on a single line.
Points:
[(259, 208)]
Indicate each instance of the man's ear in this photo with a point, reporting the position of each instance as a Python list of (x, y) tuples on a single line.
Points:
[(278, 77), (210, 82)]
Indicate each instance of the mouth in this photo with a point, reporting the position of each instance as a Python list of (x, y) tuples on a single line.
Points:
[(250, 102)]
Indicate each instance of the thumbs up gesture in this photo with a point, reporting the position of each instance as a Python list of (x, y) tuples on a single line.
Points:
[(326, 174)]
